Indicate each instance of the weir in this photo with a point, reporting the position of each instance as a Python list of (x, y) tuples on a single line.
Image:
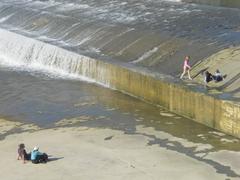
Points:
[(134, 47), (153, 34), (156, 88)]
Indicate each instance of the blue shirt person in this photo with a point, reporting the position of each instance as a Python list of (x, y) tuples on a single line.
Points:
[(35, 153), (38, 157)]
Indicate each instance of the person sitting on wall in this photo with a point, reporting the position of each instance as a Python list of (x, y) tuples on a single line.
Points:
[(22, 154), (208, 77), (218, 76), (38, 157)]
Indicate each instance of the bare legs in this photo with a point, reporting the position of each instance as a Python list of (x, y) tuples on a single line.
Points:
[(184, 72)]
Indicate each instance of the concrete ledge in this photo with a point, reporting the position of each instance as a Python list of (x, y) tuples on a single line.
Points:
[(203, 108)]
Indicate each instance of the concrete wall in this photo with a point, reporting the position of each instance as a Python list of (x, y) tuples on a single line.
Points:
[(200, 107)]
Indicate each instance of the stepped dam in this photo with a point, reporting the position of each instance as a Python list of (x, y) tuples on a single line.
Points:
[(136, 47)]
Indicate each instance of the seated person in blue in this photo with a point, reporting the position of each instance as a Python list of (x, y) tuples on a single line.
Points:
[(217, 76), (38, 157)]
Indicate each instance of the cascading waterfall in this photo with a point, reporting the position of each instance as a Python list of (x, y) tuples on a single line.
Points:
[(29, 54)]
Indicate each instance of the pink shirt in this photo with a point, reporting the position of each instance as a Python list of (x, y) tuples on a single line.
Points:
[(186, 65)]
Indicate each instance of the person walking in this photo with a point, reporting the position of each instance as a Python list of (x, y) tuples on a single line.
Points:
[(186, 68)]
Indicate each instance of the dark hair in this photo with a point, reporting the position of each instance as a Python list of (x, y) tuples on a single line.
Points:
[(207, 73), (21, 146)]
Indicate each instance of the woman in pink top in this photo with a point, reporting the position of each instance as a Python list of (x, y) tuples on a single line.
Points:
[(186, 68)]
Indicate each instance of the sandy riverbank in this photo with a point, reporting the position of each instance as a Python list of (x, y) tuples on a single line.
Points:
[(90, 153)]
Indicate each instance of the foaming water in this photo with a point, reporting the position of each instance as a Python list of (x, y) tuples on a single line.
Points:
[(29, 54), (148, 33), (37, 68)]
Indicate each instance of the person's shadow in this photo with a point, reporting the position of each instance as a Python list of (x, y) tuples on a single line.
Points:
[(50, 158), (200, 72)]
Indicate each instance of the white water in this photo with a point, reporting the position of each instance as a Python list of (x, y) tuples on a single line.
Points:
[(146, 55), (37, 68), (5, 18), (24, 54), (123, 31)]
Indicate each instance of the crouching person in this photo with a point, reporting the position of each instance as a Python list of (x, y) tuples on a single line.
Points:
[(38, 157)]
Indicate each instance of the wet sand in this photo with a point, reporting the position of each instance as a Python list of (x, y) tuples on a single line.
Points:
[(93, 153)]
